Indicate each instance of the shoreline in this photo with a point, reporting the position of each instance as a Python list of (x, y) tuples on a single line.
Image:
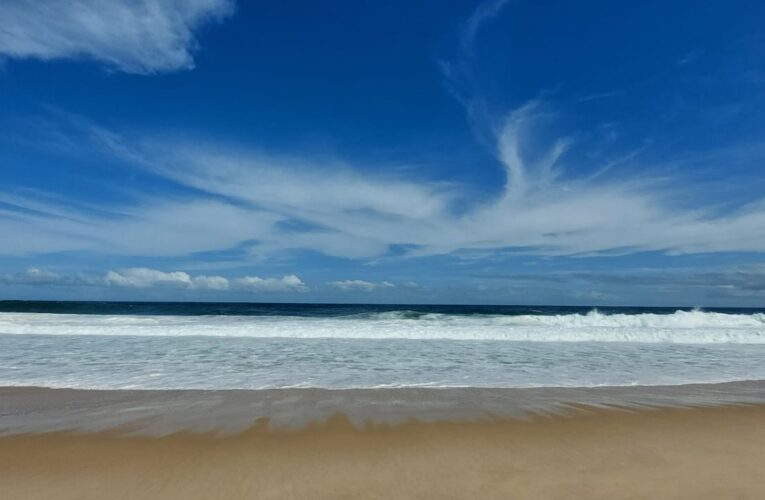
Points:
[(688, 442), (26, 410), (694, 453)]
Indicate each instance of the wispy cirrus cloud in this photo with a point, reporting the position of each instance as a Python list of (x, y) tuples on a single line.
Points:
[(237, 197), (151, 226), (266, 204), (132, 36), (459, 72), (470, 28)]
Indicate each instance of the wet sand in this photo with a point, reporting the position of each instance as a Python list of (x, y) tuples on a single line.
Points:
[(161, 412), (713, 452)]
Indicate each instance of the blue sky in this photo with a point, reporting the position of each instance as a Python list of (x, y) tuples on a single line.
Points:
[(518, 152)]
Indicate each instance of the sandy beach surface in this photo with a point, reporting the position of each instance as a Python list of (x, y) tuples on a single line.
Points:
[(715, 452)]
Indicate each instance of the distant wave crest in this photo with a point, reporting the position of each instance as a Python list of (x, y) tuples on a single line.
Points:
[(678, 319)]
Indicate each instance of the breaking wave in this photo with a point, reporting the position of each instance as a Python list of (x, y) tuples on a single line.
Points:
[(678, 319), (682, 327)]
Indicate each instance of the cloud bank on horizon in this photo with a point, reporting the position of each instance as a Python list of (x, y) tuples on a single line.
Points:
[(141, 277), (565, 192)]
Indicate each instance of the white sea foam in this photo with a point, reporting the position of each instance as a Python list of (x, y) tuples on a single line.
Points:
[(391, 349), (682, 327)]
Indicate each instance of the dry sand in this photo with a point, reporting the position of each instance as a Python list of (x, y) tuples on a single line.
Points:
[(716, 453)]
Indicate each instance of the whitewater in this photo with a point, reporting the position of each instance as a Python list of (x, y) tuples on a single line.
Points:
[(266, 347), (683, 327)]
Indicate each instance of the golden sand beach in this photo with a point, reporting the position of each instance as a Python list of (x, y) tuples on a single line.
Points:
[(711, 452)]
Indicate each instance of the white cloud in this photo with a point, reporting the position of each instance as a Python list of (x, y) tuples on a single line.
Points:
[(141, 277), (289, 283), (361, 285), (483, 13), (154, 227), (268, 205), (36, 276), (32, 276), (210, 282), (265, 205), (134, 36)]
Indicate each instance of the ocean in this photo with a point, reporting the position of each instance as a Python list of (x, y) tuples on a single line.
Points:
[(110, 345)]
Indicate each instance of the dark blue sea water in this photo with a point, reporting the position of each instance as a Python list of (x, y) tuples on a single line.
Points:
[(322, 310)]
